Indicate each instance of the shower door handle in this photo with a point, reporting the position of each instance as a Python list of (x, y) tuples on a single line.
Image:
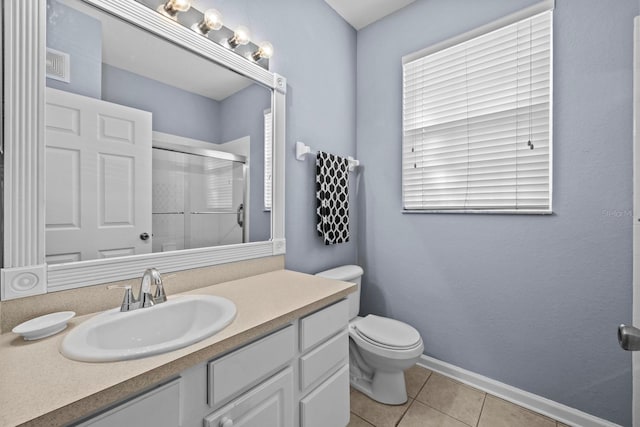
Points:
[(240, 215), (629, 337)]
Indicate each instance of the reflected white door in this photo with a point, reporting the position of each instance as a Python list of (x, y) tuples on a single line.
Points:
[(98, 179)]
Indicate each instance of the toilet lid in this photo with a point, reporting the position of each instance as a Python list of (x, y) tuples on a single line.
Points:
[(387, 332)]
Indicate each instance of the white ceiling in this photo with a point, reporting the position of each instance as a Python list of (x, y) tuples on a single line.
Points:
[(360, 13), (129, 48)]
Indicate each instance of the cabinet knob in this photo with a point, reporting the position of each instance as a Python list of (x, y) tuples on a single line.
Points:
[(226, 422)]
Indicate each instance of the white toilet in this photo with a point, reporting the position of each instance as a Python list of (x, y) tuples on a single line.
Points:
[(380, 349)]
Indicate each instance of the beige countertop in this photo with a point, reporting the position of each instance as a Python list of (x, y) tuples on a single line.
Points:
[(39, 386)]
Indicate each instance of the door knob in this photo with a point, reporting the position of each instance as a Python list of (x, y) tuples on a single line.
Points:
[(629, 337), (144, 236)]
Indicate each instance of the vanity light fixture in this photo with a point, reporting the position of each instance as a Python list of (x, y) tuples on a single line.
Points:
[(241, 36), (211, 20), (172, 7), (265, 50)]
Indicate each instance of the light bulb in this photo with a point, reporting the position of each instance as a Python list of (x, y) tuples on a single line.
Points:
[(172, 7), (180, 5), (212, 20), (265, 50), (240, 37)]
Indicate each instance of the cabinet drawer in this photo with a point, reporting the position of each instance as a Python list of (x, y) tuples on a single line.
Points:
[(324, 359), (268, 405), (322, 324), (328, 404), (249, 365), (159, 407)]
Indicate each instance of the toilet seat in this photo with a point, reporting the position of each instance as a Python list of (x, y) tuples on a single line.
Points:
[(387, 333), (385, 352), (384, 346)]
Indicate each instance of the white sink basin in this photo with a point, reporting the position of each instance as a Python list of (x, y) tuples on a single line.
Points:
[(179, 322)]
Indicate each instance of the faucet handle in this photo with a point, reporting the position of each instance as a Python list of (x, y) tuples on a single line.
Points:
[(159, 295), (129, 301)]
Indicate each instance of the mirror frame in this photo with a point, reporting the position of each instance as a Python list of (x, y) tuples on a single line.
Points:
[(24, 271)]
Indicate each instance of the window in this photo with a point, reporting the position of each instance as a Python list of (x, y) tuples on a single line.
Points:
[(268, 149), (477, 122)]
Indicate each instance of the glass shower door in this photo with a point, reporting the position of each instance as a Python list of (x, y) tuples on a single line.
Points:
[(198, 200), (216, 200)]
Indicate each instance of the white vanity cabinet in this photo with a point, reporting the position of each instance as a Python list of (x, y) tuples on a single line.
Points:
[(311, 391), (297, 376)]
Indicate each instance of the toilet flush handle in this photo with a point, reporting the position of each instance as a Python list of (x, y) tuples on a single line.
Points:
[(629, 337), (226, 422)]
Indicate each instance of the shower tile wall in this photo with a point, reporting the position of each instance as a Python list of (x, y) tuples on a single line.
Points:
[(168, 198)]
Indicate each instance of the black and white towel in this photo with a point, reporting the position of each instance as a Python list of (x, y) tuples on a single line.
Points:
[(332, 193)]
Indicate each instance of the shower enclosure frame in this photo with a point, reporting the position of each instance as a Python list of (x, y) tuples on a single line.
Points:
[(216, 154)]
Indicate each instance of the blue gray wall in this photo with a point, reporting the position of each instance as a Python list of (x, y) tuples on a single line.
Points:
[(242, 115), (316, 51), (531, 301), (175, 111)]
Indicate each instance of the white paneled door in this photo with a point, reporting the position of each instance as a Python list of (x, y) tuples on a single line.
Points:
[(98, 179)]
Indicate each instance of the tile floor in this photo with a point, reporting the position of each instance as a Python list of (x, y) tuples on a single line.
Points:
[(438, 401)]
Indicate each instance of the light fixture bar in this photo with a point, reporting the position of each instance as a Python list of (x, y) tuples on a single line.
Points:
[(209, 24)]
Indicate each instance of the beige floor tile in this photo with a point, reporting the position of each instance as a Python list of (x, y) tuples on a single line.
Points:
[(500, 413), (455, 399), (420, 415), (356, 421), (415, 377), (378, 414), (563, 425)]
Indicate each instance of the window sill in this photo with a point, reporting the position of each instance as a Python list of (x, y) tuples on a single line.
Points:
[(480, 211)]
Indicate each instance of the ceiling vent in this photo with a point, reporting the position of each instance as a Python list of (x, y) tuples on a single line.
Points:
[(58, 65)]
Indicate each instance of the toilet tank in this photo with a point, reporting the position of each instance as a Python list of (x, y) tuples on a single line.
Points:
[(347, 273)]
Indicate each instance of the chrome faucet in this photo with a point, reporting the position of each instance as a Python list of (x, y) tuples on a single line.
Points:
[(150, 277)]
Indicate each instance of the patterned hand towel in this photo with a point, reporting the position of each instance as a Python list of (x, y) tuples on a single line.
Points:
[(332, 193)]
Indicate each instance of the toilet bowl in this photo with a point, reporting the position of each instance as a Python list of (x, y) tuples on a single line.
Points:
[(380, 349)]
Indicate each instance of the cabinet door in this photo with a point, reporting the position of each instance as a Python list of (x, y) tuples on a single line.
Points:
[(268, 405), (328, 404), (325, 359), (249, 365), (322, 324), (159, 407)]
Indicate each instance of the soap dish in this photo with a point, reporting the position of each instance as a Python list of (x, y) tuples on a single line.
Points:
[(44, 326)]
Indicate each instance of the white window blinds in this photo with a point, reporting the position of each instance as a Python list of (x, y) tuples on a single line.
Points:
[(477, 123), (219, 176), (268, 149)]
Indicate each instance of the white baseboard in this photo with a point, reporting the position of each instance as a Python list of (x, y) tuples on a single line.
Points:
[(541, 405)]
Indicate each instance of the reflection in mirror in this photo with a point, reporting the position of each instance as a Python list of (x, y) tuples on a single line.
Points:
[(198, 198), (149, 147)]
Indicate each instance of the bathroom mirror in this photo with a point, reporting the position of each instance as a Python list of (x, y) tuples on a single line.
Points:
[(150, 143), (148, 147)]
